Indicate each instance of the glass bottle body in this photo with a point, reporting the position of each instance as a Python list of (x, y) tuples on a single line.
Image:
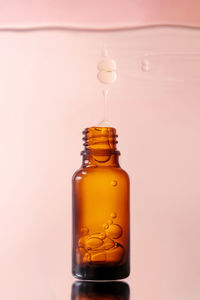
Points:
[(100, 218)]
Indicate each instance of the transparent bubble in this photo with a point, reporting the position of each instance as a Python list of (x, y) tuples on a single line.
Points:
[(114, 231), (98, 235), (93, 243), (102, 236), (114, 183)]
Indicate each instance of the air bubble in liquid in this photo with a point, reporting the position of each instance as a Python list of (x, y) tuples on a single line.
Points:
[(113, 215), (114, 231), (105, 226), (93, 243), (114, 183)]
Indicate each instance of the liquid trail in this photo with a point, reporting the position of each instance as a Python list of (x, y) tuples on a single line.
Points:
[(105, 122), (105, 95)]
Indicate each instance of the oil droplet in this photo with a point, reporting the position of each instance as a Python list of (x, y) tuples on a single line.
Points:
[(98, 235), (105, 226), (114, 183), (102, 236), (114, 231), (113, 215), (108, 243), (93, 243), (145, 65)]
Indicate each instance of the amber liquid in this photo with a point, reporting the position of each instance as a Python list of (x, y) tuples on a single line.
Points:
[(100, 210)]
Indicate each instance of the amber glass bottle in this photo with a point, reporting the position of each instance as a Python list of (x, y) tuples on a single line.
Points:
[(100, 210)]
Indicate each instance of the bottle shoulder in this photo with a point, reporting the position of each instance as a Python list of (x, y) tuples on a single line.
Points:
[(100, 171)]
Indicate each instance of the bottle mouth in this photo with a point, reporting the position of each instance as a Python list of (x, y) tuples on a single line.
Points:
[(100, 141)]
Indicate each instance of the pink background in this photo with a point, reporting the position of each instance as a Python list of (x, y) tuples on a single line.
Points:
[(48, 94), (98, 14)]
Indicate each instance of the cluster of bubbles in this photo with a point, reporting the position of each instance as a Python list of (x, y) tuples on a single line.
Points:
[(101, 247)]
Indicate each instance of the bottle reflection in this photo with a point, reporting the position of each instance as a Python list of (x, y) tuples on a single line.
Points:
[(82, 290)]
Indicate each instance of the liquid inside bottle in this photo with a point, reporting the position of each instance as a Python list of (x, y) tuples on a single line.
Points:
[(100, 210)]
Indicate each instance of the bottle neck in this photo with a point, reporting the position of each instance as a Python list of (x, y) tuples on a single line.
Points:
[(100, 147)]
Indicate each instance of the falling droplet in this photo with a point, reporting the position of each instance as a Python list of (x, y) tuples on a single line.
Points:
[(114, 183), (145, 65)]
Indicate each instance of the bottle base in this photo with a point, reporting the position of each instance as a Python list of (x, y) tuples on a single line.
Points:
[(99, 272)]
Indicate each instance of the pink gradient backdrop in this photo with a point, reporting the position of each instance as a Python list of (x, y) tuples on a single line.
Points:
[(99, 14), (48, 95)]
